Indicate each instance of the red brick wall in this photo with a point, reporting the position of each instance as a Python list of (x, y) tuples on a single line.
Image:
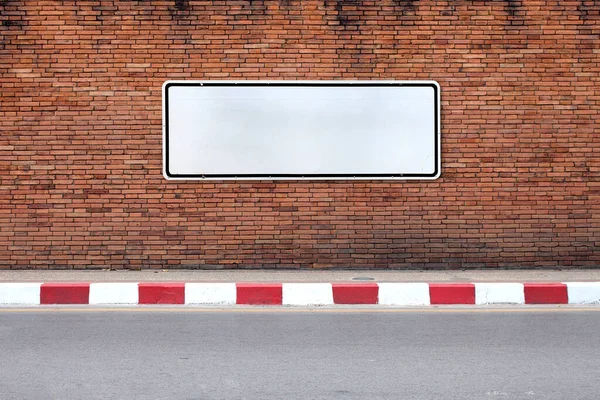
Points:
[(80, 125)]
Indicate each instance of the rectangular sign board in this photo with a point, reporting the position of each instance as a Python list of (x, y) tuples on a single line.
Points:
[(301, 130)]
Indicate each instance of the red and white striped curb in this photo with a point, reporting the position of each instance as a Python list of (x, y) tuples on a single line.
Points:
[(300, 294)]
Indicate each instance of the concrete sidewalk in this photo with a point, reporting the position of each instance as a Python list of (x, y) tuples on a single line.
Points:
[(282, 276)]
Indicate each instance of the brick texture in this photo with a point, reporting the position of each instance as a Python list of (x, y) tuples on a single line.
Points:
[(80, 134)]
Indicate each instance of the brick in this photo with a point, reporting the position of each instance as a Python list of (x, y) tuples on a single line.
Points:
[(81, 110)]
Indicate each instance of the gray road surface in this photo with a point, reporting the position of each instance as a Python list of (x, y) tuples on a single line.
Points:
[(185, 353)]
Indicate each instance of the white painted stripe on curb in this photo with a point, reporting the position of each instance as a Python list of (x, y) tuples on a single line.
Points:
[(499, 293), (404, 294), (20, 293), (307, 294), (114, 293), (583, 292), (210, 293)]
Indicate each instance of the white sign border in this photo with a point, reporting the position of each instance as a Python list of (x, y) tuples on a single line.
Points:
[(438, 141)]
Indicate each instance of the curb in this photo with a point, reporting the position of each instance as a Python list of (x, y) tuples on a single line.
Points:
[(298, 294)]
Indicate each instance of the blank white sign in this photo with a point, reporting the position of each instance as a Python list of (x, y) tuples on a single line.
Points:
[(301, 129)]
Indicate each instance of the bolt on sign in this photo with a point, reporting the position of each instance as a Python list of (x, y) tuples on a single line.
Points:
[(301, 130)]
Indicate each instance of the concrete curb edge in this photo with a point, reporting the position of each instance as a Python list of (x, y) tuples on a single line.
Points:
[(298, 294)]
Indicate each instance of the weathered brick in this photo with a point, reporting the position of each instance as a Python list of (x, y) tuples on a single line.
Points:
[(80, 139)]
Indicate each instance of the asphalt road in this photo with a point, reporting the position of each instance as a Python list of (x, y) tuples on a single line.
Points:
[(271, 354)]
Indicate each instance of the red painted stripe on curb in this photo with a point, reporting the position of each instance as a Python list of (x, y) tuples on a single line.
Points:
[(546, 293), (259, 293), (65, 293), (161, 293), (357, 293), (452, 293)]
